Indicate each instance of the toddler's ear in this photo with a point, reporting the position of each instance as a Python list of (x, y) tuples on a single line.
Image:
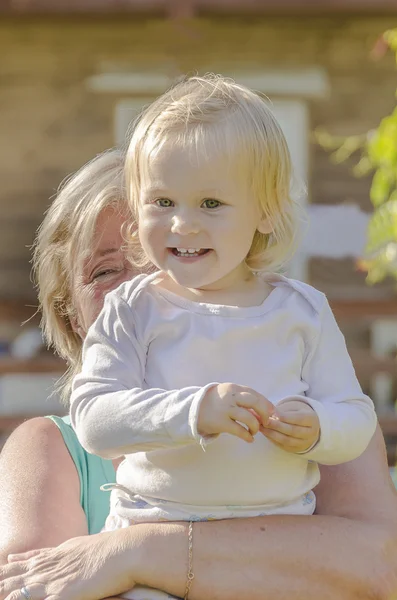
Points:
[(265, 226)]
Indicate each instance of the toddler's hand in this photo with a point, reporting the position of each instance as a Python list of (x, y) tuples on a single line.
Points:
[(226, 405), (295, 427)]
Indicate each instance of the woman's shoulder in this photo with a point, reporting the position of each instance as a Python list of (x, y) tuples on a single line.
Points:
[(39, 482), (93, 472), (44, 460), (37, 431)]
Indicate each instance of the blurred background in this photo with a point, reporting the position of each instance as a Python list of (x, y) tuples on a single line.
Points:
[(73, 73)]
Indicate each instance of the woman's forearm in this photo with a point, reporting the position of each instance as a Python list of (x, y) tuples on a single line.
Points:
[(268, 558), (349, 551)]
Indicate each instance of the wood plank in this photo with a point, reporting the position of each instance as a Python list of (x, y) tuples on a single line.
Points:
[(367, 365), (197, 7), (364, 309), (8, 424), (388, 424), (313, 7), (19, 311), (36, 365)]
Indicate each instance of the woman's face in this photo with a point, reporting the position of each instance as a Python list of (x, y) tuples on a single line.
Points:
[(105, 270)]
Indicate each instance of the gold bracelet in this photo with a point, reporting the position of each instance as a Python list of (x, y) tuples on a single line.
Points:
[(190, 574)]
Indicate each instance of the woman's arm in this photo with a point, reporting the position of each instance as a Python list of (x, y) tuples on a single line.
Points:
[(349, 551), (348, 557), (361, 490), (40, 490)]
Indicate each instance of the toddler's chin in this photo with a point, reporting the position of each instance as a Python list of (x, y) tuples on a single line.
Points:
[(193, 283)]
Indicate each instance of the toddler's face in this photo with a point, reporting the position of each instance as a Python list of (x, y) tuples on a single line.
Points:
[(197, 218)]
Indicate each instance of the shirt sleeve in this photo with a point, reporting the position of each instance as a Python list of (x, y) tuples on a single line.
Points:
[(347, 416), (111, 411)]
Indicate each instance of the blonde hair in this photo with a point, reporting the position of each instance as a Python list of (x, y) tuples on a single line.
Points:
[(64, 240), (216, 110)]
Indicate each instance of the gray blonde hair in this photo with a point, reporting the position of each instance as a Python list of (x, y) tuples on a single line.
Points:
[(63, 240), (216, 110)]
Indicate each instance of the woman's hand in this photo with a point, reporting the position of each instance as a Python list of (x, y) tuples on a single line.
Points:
[(83, 568)]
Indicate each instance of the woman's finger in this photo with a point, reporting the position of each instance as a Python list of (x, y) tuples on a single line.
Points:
[(36, 592), (10, 571), (15, 595), (23, 555), (10, 586)]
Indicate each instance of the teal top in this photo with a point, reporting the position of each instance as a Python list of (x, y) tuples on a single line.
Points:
[(93, 472), (393, 472)]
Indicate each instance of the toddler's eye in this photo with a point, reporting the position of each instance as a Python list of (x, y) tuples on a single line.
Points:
[(164, 202), (211, 203)]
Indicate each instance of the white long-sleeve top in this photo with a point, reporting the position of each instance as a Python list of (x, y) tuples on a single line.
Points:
[(149, 359)]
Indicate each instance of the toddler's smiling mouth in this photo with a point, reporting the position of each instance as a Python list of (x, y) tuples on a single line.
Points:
[(189, 252)]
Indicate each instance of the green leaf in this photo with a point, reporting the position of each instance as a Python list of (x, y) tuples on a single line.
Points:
[(382, 182), (382, 227), (378, 154)]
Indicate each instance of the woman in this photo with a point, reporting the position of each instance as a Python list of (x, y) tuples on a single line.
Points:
[(50, 486)]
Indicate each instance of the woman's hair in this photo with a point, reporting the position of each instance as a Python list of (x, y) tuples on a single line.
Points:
[(212, 111), (63, 241)]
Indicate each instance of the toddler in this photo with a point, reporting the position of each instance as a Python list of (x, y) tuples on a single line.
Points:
[(221, 382)]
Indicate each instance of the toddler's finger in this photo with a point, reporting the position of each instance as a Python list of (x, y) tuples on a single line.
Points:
[(261, 405), (280, 439), (306, 418), (244, 416), (257, 417), (239, 431), (289, 429)]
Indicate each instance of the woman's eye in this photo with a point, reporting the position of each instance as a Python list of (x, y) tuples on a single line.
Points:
[(211, 203), (164, 202), (103, 273)]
